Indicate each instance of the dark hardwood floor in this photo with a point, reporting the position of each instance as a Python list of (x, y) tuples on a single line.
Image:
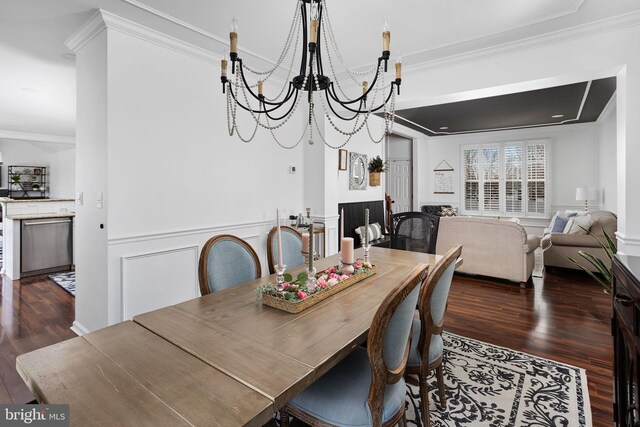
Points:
[(564, 317), (35, 313)]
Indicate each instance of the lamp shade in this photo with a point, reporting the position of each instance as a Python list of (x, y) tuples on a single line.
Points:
[(586, 193)]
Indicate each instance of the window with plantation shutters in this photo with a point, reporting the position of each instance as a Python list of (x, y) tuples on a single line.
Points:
[(508, 179), (471, 179), (491, 178), (536, 178)]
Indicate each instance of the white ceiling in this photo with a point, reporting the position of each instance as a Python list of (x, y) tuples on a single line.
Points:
[(33, 32)]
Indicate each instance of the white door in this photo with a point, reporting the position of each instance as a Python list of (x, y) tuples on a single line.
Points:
[(400, 188)]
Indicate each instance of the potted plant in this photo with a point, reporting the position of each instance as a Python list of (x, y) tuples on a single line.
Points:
[(35, 187), (606, 273), (376, 167), (15, 181)]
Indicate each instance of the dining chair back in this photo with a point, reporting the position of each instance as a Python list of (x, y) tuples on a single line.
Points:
[(427, 351), (415, 231), (226, 261), (367, 387), (291, 248)]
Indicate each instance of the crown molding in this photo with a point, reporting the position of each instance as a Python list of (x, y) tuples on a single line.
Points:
[(221, 42), (87, 32), (615, 23), (36, 137)]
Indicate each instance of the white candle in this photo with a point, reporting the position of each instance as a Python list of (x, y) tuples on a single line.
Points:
[(366, 227), (305, 242), (280, 263)]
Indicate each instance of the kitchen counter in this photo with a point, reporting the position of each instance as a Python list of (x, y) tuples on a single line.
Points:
[(17, 217)]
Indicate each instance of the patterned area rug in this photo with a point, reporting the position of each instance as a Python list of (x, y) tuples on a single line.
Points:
[(66, 281), (494, 386)]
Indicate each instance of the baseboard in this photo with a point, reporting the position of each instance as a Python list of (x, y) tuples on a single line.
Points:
[(79, 329)]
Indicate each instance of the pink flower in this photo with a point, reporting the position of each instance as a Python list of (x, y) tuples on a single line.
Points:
[(324, 277), (285, 285), (302, 295), (322, 282), (333, 276), (367, 264), (332, 282), (330, 270), (357, 265), (344, 276)]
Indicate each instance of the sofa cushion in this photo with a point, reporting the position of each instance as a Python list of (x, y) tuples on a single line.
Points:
[(579, 224), (375, 232), (445, 211), (560, 224), (581, 240)]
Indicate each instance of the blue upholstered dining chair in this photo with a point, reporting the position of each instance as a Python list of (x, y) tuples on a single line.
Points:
[(426, 344), (226, 261), (291, 248), (367, 387)]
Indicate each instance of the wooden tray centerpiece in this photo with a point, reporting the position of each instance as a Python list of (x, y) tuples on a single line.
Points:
[(295, 296)]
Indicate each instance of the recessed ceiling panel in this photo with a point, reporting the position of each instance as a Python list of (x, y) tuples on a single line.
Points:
[(573, 103)]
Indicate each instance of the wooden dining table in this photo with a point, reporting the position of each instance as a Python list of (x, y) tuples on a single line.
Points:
[(222, 359)]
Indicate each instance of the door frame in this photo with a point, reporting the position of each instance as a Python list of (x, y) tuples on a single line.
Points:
[(414, 166)]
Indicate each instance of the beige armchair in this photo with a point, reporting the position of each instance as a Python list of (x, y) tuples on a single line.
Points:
[(490, 247), (559, 247)]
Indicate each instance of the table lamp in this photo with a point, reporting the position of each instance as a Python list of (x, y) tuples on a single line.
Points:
[(586, 194)]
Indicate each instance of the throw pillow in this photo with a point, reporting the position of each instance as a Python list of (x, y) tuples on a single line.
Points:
[(559, 214), (580, 224), (374, 232), (559, 224), (449, 211)]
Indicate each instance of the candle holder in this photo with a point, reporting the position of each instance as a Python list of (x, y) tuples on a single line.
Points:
[(346, 268), (367, 248), (311, 279), (316, 256), (280, 278)]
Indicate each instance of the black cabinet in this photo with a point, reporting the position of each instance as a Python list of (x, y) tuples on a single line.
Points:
[(626, 337)]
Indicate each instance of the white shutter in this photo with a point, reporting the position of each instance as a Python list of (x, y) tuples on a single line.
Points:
[(513, 161), (471, 179), (536, 179), (491, 178)]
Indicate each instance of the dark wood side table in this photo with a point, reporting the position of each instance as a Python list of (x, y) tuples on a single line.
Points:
[(626, 337)]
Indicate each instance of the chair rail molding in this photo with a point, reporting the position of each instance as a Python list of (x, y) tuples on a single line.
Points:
[(628, 245)]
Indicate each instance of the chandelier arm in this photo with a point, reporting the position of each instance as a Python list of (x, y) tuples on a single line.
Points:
[(260, 111), (303, 62), (319, 50), (364, 95), (293, 104), (359, 111), (258, 98), (338, 115)]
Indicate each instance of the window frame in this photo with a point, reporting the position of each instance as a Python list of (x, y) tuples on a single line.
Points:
[(524, 212)]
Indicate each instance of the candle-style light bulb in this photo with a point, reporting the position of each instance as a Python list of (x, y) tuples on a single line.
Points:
[(313, 28), (223, 64), (386, 37), (233, 39), (399, 68), (365, 86)]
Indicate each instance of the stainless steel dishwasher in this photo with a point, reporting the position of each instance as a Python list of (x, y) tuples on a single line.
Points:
[(47, 245)]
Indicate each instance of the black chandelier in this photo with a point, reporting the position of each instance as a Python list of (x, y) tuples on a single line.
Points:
[(272, 113)]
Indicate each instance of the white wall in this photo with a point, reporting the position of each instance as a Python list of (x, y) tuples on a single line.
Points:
[(603, 49), (607, 156), (152, 138), (58, 158), (573, 160), (362, 144)]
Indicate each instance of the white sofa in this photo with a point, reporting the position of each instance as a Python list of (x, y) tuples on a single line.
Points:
[(490, 247)]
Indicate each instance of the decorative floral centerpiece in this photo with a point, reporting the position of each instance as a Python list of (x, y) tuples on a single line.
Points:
[(294, 292)]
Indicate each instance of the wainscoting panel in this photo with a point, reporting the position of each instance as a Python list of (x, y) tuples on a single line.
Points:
[(158, 279)]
